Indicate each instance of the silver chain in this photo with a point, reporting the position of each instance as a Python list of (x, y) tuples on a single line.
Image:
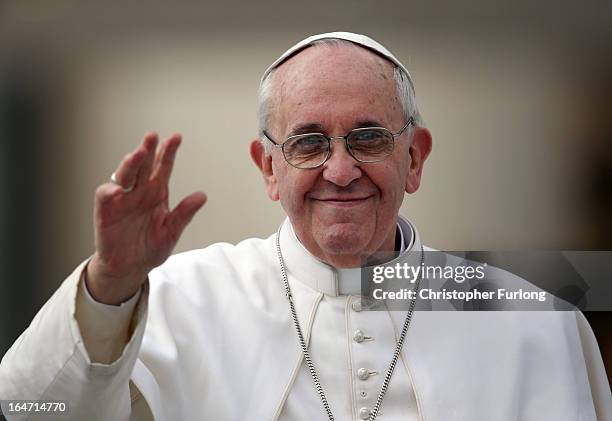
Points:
[(309, 363)]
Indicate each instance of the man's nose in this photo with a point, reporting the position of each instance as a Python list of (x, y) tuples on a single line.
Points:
[(341, 168)]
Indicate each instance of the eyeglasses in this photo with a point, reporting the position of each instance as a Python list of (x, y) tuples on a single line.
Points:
[(311, 150)]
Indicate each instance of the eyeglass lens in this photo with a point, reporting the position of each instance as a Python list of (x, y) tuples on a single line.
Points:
[(365, 145)]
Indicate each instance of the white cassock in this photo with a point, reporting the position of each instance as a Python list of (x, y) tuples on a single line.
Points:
[(219, 344)]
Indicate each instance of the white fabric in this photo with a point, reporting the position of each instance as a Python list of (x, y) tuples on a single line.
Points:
[(218, 343), (105, 328)]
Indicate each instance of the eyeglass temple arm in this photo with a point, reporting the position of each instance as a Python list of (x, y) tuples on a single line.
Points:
[(408, 123), (267, 136)]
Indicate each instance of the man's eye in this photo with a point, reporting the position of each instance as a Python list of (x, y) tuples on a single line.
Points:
[(367, 135), (308, 144), (309, 141)]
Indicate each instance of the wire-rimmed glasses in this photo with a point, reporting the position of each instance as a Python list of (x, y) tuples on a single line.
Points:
[(365, 144)]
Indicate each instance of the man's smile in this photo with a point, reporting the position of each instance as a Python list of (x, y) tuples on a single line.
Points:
[(341, 201)]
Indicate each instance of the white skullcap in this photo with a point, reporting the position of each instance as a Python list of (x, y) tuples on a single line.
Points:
[(362, 40)]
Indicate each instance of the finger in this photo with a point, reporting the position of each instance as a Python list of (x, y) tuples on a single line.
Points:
[(164, 159), (103, 197), (182, 214), (150, 145), (128, 168), (107, 192)]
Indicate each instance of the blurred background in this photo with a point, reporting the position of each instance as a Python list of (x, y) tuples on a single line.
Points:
[(517, 97)]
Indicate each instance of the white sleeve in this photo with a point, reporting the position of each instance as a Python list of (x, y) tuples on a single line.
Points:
[(105, 329), (600, 388), (49, 361)]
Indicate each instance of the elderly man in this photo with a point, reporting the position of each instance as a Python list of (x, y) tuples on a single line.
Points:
[(274, 329)]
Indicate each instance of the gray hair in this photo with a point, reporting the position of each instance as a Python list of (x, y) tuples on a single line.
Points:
[(403, 82)]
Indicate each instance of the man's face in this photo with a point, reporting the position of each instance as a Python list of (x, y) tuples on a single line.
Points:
[(343, 208)]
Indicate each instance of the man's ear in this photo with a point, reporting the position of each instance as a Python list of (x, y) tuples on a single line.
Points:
[(419, 151), (264, 163)]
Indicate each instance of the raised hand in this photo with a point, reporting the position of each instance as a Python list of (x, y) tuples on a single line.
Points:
[(135, 231)]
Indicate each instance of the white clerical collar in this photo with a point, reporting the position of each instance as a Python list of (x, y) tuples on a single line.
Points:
[(306, 268)]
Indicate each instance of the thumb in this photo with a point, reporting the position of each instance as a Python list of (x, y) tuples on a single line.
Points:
[(183, 213)]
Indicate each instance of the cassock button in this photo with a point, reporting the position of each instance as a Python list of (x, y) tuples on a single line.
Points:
[(356, 306), (363, 373), (358, 336), (364, 413)]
